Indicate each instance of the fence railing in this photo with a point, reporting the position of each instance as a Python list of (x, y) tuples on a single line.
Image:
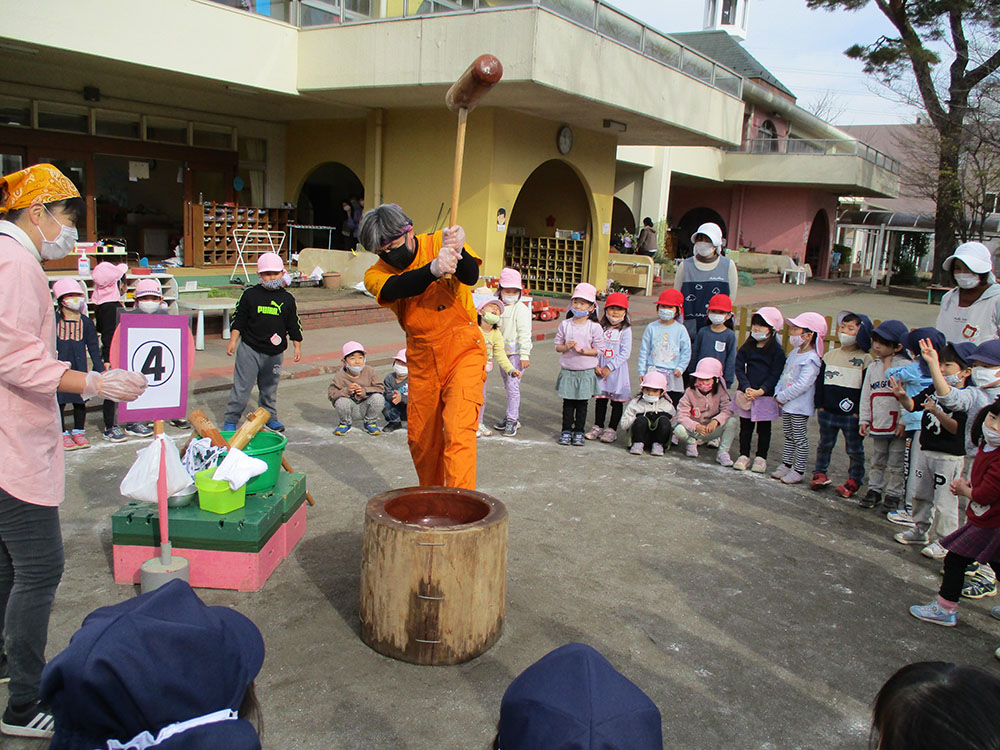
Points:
[(595, 15), (829, 147), (741, 324)]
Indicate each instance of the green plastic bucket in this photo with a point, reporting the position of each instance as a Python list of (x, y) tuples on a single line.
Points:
[(215, 496), (268, 447)]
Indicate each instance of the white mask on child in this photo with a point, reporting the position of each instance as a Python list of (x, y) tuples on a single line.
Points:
[(400, 370), (650, 399), (73, 303), (666, 313), (967, 280), (953, 380), (716, 319), (984, 376), (148, 306), (847, 339), (759, 335), (795, 341), (992, 437), (354, 369), (703, 249), (510, 299)]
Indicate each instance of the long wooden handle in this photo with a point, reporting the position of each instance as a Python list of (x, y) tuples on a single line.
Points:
[(288, 467), (250, 428), (456, 178), (204, 427)]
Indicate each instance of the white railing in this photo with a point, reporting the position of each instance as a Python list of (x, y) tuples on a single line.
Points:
[(595, 15), (829, 147)]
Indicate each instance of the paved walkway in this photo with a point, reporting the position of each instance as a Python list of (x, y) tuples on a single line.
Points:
[(321, 347)]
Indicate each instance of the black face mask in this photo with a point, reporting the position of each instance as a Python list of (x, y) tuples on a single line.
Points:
[(398, 257)]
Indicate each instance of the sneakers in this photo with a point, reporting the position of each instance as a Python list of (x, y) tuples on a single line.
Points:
[(656, 449), (636, 449), (34, 721), (594, 433), (392, 427), (791, 477), (578, 439), (978, 587), (691, 450), (229, 426), (934, 550), (483, 431), (780, 471), (565, 437), (901, 517), (140, 430), (181, 424), (759, 465), (890, 504), (275, 426), (372, 429), (741, 463), (609, 435), (69, 443), (342, 429), (501, 424), (114, 435), (674, 440), (510, 428), (911, 536), (724, 459), (995, 611), (714, 442), (848, 488), (871, 499), (935, 613), (819, 481), (80, 439)]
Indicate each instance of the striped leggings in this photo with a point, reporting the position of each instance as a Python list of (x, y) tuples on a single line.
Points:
[(796, 450)]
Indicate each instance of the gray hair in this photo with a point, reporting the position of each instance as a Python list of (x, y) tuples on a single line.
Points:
[(382, 225)]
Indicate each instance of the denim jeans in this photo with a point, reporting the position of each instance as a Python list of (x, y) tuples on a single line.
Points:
[(31, 565)]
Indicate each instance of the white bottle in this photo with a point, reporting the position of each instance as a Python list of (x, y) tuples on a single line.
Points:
[(83, 266)]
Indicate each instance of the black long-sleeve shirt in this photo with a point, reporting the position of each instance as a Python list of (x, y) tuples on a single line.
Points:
[(266, 319), (412, 283)]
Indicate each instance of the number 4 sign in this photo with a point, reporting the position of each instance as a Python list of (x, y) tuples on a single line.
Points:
[(159, 347)]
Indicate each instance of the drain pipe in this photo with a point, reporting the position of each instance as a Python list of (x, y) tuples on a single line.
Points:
[(377, 181)]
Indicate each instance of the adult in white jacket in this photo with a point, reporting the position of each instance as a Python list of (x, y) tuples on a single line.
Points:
[(971, 311)]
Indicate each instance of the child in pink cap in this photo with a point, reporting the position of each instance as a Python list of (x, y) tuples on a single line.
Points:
[(703, 412), (796, 392), (396, 391), (489, 310), (515, 325), (356, 388), (647, 417), (263, 321), (76, 336), (579, 340)]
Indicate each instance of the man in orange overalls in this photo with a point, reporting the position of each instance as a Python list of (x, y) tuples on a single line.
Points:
[(445, 351)]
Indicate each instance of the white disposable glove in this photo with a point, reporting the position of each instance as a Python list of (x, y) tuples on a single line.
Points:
[(454, 237), (114, 385), (445, 262)]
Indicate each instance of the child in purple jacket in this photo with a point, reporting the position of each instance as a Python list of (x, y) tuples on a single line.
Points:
[(612, 369)]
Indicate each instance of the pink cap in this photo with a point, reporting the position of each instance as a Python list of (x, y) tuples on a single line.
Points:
[(270, 262), (106, 276), (654, 380), (708, 367), (510, 278), (813, 322), (585, 291), (67, 286), (482, 300), (148, 287), (773, 317), (401, 356), (350, 347)]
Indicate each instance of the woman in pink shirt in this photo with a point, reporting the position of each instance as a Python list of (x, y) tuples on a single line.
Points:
[(40, 208)]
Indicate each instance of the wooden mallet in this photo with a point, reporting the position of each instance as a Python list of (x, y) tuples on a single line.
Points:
[(463, 97)]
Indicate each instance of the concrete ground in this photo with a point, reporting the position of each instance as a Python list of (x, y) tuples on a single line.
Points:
[(754, 614)]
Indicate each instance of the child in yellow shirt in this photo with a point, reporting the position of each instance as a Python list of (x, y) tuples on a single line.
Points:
[(490, 309)]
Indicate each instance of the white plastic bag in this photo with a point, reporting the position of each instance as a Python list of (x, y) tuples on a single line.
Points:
[(140, 481), (317, 274)]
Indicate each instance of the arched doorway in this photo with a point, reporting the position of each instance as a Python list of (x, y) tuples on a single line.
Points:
[(818, 244), (552, 199), (622, 220), (320, 203), (690, 223)]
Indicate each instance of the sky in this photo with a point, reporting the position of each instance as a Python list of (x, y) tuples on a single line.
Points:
[(803, 48)]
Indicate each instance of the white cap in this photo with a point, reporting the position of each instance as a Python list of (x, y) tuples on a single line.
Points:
[(711, 231), (975, 255)]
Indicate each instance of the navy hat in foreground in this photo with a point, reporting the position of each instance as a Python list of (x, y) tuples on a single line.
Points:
[(988, 353), (892, 330), (573, 699), (964, 350), (163, 662)]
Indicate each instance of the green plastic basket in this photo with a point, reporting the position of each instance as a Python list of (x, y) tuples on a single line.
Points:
[(268, 447)]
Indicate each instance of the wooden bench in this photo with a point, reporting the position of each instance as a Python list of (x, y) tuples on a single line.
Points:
[(632, 271)]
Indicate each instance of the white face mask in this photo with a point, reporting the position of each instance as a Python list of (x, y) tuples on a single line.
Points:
[(73, 303), (795, 341), (355, 369), (704, 249), (847, 339), (992, 437), (510, 299), (400, 370), (62, 244), (759, 335), (717, 319), (953, 380), (616, 318), (967, 280), (983, 376), (650, 399), (666, 313), (148, 305)]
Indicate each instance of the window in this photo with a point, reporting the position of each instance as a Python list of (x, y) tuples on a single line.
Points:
[(15, 111), (166, 131), (213, 136), (117, 124), (767, 138), (990, 204), (64, 117)]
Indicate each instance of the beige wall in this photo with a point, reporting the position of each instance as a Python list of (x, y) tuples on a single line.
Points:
[(310, 143)]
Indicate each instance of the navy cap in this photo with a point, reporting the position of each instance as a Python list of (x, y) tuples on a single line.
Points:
[(892, 330), (912, 344), (988, 353), (863, 338), (161, 658), (965, 351), (573, 699)]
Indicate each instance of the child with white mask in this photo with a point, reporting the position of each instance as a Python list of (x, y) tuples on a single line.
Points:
[(515, 325), (76, 336), (396, 391), (355, 388)]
